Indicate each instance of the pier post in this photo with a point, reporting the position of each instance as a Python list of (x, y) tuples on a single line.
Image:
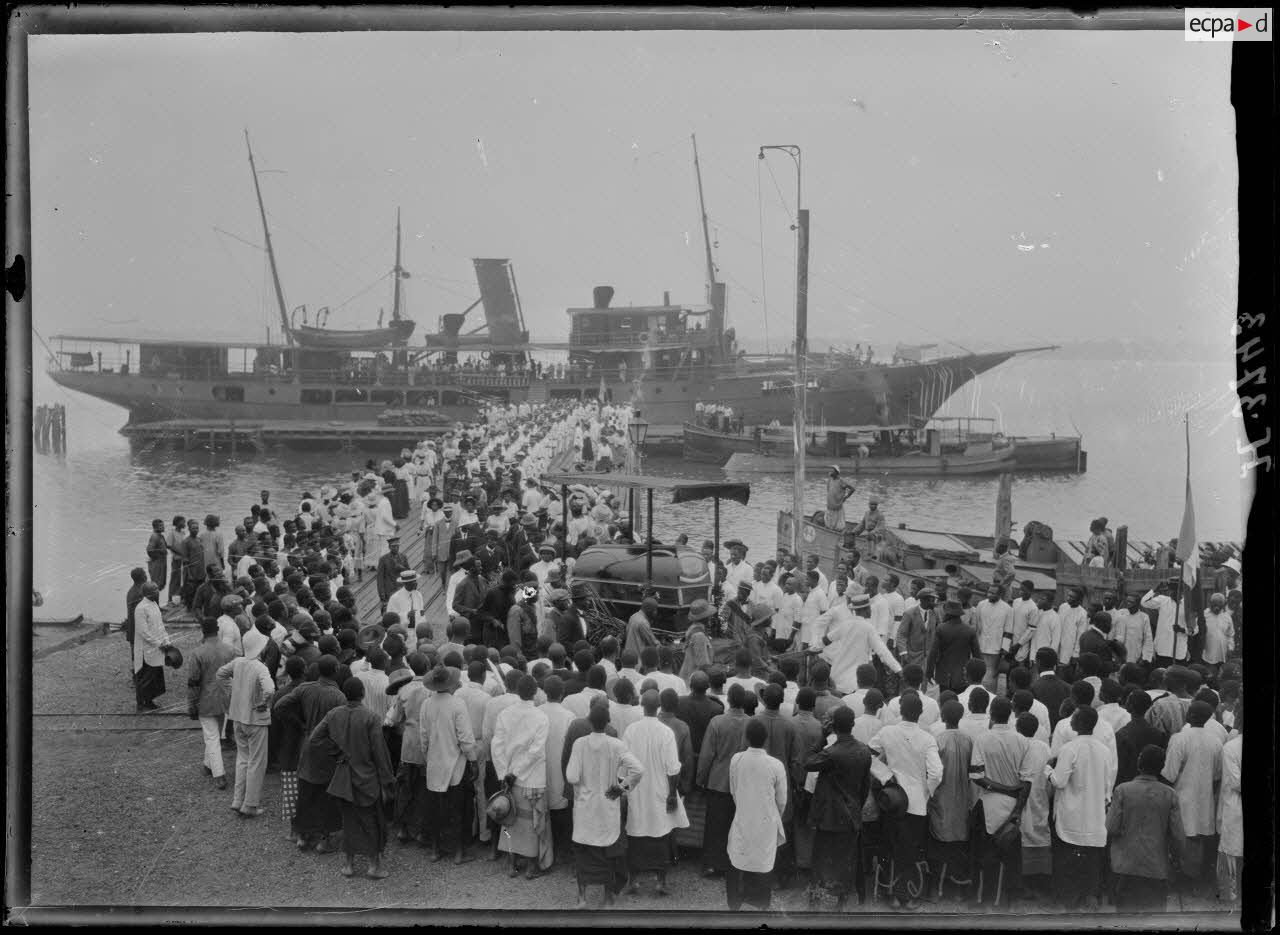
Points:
[(186, 439), (233, 438)]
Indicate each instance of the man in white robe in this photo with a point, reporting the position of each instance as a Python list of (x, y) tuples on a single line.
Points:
[(758, 784), (850, 641), (1193, 764), (654, 807)]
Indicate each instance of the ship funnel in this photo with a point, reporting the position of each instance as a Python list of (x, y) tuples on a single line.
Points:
[(666, 298), (601, 296)]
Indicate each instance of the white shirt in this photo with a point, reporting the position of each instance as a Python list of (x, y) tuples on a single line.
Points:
[(1133, 632), (758, 784), (384, 521), (811, 611), (897, 604), (1083, 777), (1102, 732), (454, 580), (579, 703), (912, 754), (735, 574), (1167, 641), (882, 616), (1040, 711), (853, 641), (1024, 615), (596, 762), (891, 713), (1072, 622), (749, 683), (993, 621), (229, 634), (403, 602), (519, 744), (1048, 628), (1219, 636), (1115, 715), (653, 744)]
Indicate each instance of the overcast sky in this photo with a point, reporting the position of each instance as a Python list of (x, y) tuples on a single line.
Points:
[(990, 188)]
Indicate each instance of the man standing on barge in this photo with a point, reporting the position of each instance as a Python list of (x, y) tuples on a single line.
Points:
[(838, 491)]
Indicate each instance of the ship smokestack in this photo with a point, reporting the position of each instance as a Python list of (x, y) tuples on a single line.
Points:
[(666, 298), (601, 296)]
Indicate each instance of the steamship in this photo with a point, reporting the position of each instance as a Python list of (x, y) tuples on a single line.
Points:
[(661, 359)]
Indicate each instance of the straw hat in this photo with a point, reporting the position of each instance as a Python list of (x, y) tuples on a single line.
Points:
[(443, 679), (463, 558), (408, 576), (398, 680), (700, 610)]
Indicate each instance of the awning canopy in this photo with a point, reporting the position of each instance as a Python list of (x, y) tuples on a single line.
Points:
[(683, 491)]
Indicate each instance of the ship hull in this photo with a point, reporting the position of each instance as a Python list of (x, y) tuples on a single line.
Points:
[(847, 396)]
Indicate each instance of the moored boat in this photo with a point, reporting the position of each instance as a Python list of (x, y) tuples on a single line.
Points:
[(917, 464), (707, 445)]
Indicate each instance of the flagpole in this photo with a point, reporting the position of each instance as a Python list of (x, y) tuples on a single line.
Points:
[(1181, 598)]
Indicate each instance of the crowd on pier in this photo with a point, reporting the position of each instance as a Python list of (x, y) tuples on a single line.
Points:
[(856, 736)]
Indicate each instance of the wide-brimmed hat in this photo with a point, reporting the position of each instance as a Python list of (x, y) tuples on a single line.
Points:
[(435, 503), (528, 520), (700, 610), (398, 680), (547, 547), (408, 576), (500, 809), (952, 609), (580, 590), (232, 602), (173, 657), (601, 513), (443, 678), (735, 543), (760, 613), (559, 594), (463, 558), (1233, 563), (370, 636), (859, 602)]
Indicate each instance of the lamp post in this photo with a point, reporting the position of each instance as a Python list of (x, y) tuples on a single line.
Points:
[(800, 385), (637, 431)]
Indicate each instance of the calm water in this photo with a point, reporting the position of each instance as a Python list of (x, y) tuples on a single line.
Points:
[(93, 506)]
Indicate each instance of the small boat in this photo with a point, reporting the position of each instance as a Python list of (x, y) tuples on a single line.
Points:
[(61, 622), (706, 445), (394, 335), (976, 461)]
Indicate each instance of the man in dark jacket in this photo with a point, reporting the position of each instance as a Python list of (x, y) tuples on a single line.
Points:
[(350, 741), (1049, 689), (698, 708), (954, 644), (389, 568), (835, 812), (302, 710), (1144, 825), (205, 701), (1097, 640), (1135, 736)]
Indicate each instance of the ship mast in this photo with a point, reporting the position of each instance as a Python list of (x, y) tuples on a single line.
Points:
[(395, 301), (702, 206), (715, 290), (271, 256)]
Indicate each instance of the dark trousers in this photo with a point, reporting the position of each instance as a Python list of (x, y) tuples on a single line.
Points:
[(562, 833), (1140, 894), (907, 837), (1077, 871), (444, 814), (743, 886), (715, 840), (175, 578), (989, 859)]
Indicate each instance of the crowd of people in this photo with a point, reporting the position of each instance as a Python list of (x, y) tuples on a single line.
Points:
[(852, 735)]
